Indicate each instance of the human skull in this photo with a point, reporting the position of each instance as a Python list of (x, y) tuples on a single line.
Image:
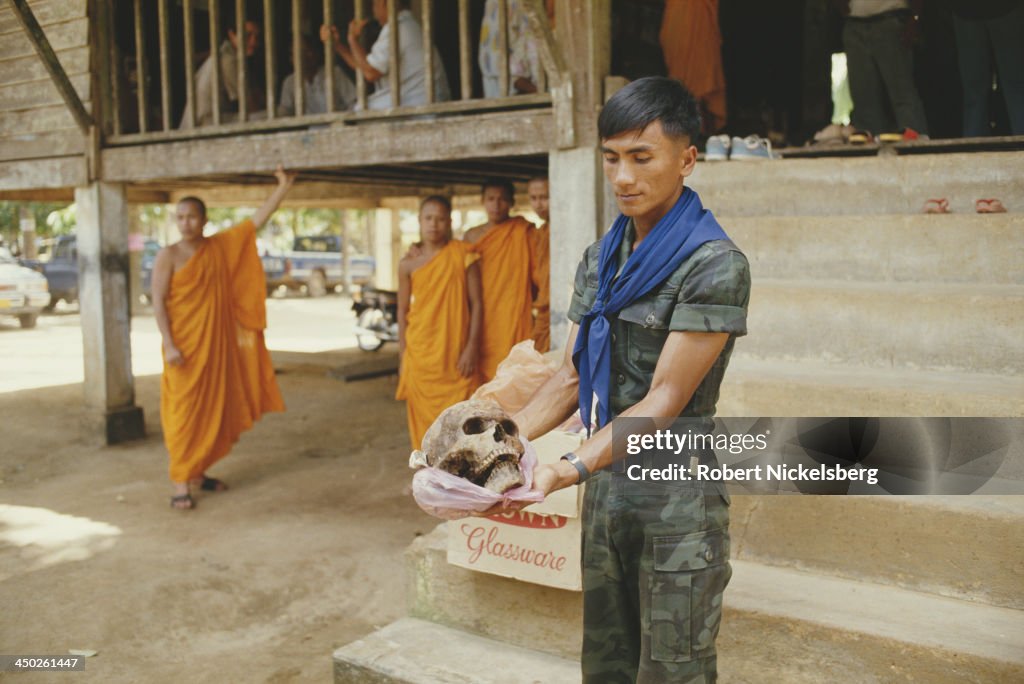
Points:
[(475, 440)]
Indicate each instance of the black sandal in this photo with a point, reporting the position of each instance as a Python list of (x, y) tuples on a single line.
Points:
[(212, 484), (180, 498)]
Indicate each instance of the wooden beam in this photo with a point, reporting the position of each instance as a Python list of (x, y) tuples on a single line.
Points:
[(329, 85), (427, 9), (503, 75), (360, 78), (241, 39), (516, 133), (299, 77), (560, 82), (140, 68), (190, 76), (465, 51), (254, 127), (269, 63), (35, 174), (165, 65), (394, 65), (215, 41), (35, 34)]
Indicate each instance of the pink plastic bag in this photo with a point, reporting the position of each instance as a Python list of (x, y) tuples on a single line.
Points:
[(449, 497)]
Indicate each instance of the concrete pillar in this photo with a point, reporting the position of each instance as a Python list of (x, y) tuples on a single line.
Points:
[(27, 223), (103, 302), (578, 218), (387, 247)]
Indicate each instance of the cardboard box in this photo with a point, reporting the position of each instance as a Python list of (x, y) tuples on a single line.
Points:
[(540, 544)]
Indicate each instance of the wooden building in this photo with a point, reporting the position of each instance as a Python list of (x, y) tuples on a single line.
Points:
[(91, 92)]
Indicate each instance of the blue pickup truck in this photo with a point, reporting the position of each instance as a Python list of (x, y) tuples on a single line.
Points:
[(314, 265)]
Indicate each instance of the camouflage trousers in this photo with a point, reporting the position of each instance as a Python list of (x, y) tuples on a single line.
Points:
[(655, 566)]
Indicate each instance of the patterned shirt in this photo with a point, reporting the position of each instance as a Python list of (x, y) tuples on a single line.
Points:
[(709, 292)]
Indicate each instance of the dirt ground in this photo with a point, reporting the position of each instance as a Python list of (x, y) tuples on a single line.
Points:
[(258, 584)]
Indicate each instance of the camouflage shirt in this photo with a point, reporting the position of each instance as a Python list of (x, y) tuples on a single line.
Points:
[(709, 292)]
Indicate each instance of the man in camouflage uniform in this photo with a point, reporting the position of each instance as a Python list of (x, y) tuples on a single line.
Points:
[(655, 554)]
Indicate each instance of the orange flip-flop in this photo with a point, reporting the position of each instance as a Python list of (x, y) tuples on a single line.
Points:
[(937, 206), (989, 206)]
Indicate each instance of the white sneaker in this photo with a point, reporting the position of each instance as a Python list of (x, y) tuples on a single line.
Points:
[(717, 148), (751, 148)]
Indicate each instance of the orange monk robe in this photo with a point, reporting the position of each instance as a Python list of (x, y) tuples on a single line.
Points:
[(436, 332), (692, 44), (542, 283), (506, 271), (217, 313)]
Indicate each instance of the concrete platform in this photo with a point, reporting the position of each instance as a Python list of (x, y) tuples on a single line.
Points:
[(973, 328), (966, 547), (775, 387), (412, 651), (946, 248), (860, 186)]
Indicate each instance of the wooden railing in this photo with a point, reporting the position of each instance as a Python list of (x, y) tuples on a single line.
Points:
[(160, 123)]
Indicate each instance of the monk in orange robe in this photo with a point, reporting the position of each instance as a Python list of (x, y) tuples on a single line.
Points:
[(208, 299), (507, 256), (439, 320), (539, 192), (692, 44)]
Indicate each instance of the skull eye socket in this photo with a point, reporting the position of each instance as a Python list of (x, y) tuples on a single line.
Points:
[(510, 428), (474, 426)]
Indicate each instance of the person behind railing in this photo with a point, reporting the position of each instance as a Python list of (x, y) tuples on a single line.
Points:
[(376, 66), (227, 57), (315, 86), (525, 70)]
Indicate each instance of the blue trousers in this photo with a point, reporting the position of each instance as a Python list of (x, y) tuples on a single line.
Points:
[(977, 41)]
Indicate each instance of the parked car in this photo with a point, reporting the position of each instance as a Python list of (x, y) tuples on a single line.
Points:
[(23, 291), (314, 264), (58, 262)]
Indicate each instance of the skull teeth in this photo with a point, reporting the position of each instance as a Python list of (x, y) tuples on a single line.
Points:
[(497, 453)]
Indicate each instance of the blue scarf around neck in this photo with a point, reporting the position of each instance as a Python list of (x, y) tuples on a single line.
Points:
[(673, 239)]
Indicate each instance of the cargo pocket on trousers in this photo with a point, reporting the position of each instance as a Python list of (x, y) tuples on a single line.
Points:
[(687, 583)]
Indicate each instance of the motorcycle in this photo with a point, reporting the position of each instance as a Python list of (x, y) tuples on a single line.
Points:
[(376, 318)]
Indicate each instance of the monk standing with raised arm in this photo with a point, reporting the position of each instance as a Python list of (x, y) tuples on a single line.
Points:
[(208, 298), (439, 320), (507, 250)]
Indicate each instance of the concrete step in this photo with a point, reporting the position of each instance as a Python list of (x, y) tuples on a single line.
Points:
[(963, 547), (861, 185), (411, 651), (783, 625), (974, 328), (953, 248), (780, 624), (775, 387)]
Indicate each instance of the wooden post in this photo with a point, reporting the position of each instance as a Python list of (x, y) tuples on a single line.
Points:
[(346, 253), (503, 75), (360, 78), (103, 273), (329, 85), (394, 68), (386, 234), (299, 80), (428, 48), (240, 37), (165, 70), (465, 52), (140, 68), (215, 41), (27, 223), (190, 68), (270, 64)]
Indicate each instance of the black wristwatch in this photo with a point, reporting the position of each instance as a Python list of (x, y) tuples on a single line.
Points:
[(578, 465)]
